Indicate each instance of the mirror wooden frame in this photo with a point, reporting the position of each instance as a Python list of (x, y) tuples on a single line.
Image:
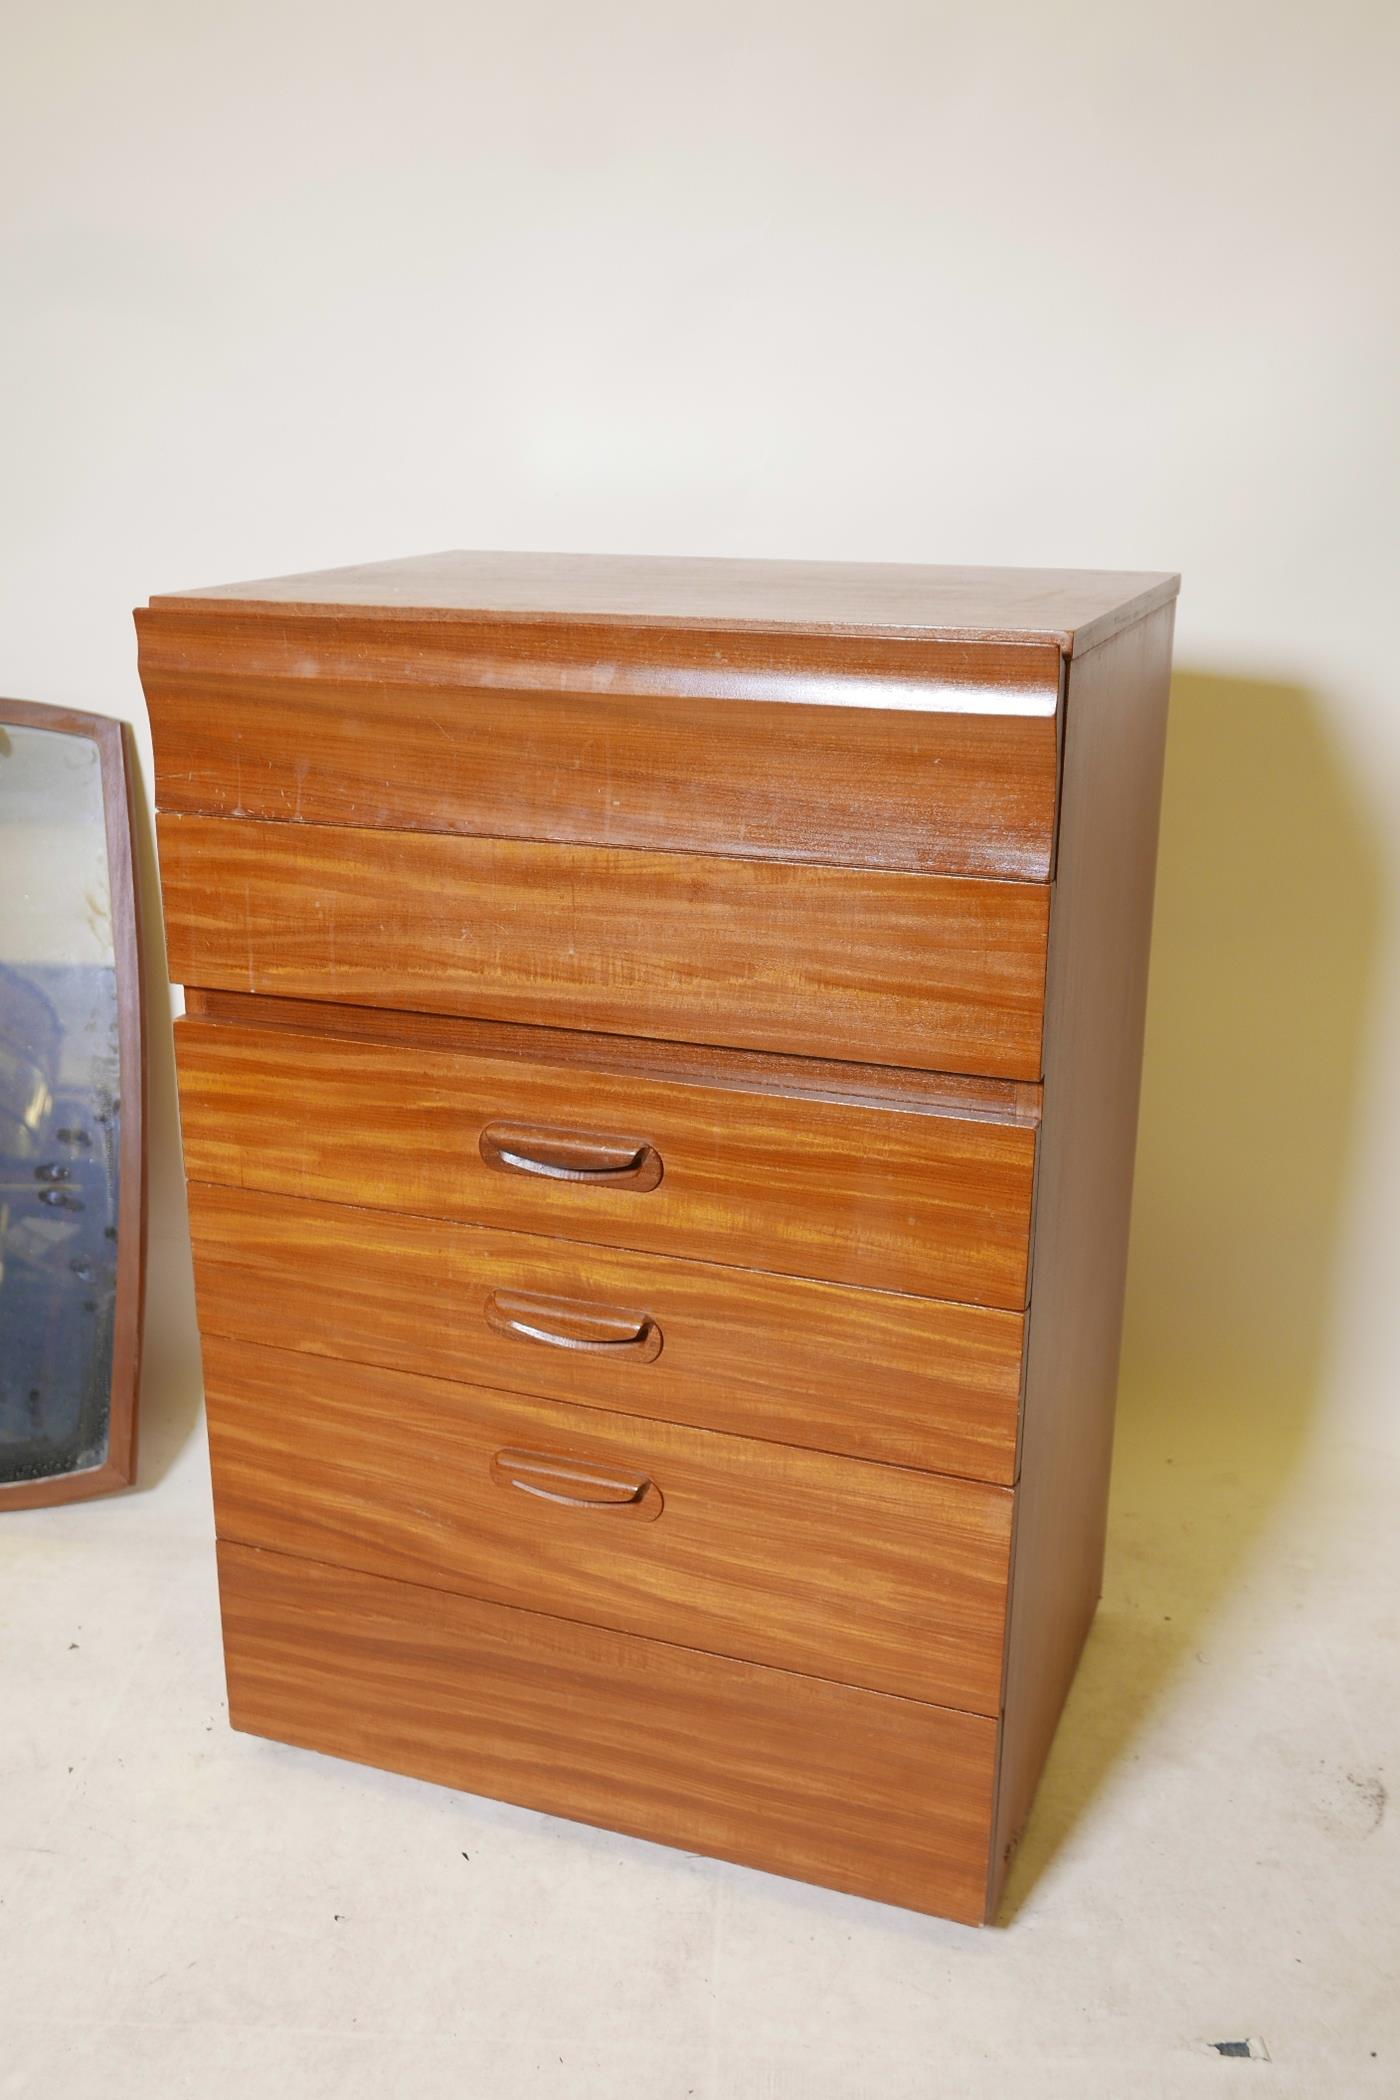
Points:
[(114, 744)]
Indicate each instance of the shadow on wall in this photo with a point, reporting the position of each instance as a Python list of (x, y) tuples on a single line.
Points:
[(1268, 916)]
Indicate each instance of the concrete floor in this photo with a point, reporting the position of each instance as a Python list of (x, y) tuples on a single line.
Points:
[(187, 1911)]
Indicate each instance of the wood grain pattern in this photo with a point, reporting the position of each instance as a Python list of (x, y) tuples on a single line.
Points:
[(766, 747), (930, 1205), (855, 1790), (873, 1575), (750, 1071), (831, 962), (118, 763), (1116, 713), (721, 893), (907, 1381), (1072, 609)]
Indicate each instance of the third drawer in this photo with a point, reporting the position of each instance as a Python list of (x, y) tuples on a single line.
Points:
[(889, 1196)]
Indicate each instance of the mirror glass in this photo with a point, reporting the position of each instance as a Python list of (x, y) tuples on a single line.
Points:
[(60, 1107)]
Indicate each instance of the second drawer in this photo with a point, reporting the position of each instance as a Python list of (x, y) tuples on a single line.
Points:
[(866, 1574), (808, 960)]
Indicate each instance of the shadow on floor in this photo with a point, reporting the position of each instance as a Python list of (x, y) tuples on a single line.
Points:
[(1268, 918)]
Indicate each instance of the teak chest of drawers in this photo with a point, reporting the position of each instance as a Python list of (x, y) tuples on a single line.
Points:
[(659, 1079)]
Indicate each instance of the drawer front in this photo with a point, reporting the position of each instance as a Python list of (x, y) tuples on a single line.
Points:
[(879, 753), (917, 970), (933, 1205), (680, 1341), (871, 1575), (880, 1797)]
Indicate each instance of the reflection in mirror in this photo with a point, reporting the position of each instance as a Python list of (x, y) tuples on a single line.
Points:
[(67, 1349)]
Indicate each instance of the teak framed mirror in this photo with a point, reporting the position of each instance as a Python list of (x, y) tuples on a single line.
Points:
[(72, 1098)]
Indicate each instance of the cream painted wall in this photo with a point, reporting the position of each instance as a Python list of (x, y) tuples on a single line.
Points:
[(300, 284)]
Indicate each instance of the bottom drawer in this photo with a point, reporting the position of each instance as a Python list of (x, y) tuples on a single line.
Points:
[(855, 1790)]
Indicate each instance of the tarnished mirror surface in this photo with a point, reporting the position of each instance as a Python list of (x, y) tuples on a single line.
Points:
[(64, 1094)]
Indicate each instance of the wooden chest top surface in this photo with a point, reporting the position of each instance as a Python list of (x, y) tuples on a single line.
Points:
[(1070, 609)]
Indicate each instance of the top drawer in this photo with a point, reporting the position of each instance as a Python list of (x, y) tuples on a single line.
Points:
[(901, 753)]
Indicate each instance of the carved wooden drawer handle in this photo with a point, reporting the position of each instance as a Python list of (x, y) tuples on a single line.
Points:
[(578, 1484), (572, 1323), (571, 1155)]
